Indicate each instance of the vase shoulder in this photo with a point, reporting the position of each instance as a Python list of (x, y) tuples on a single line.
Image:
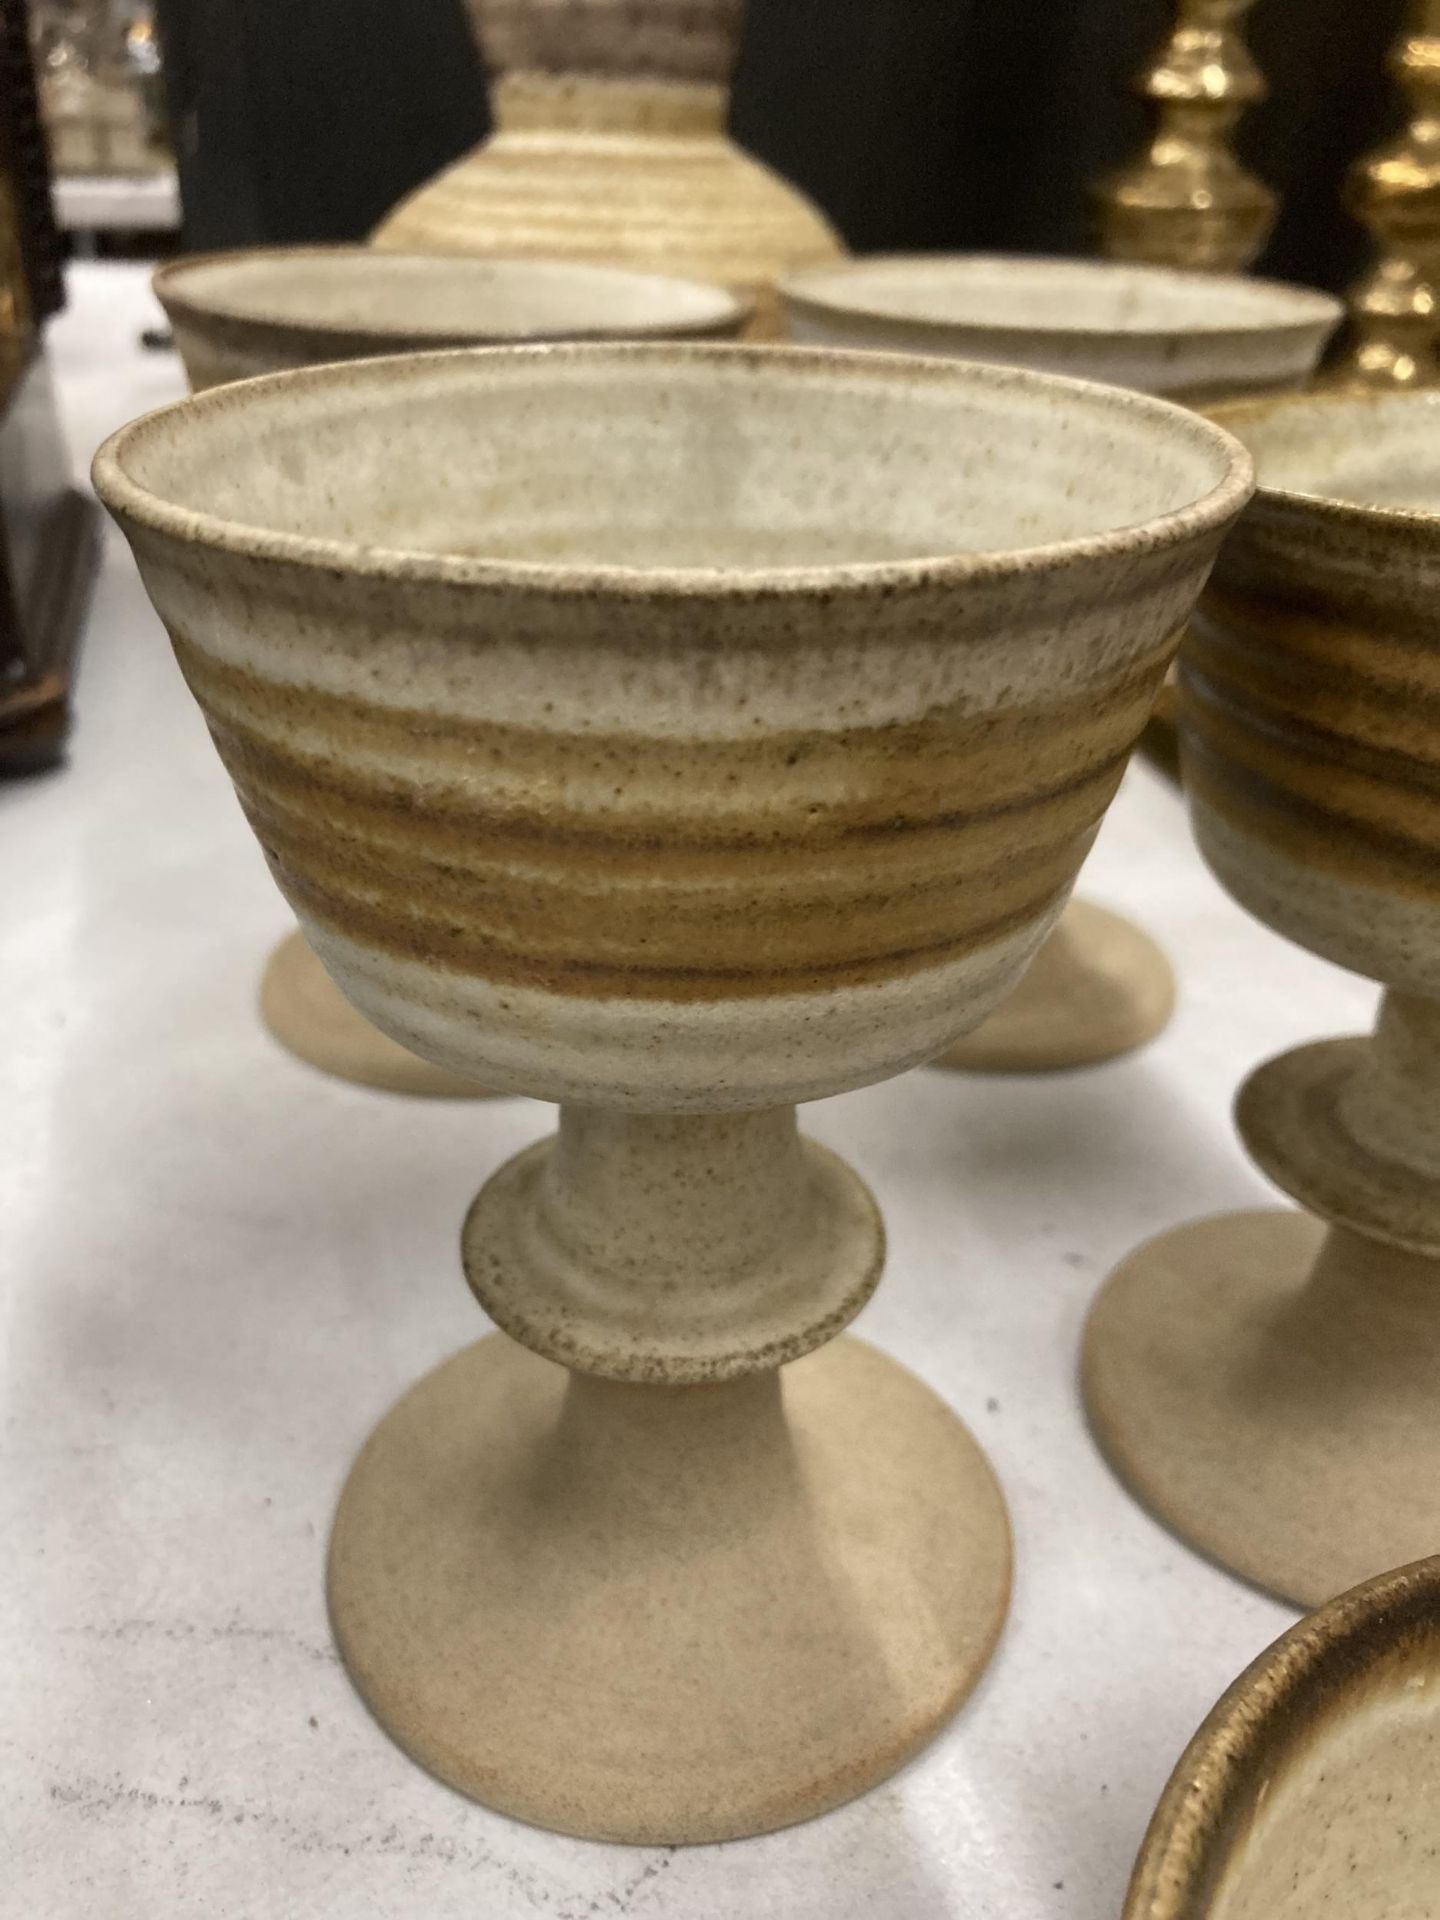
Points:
[(669, 191)]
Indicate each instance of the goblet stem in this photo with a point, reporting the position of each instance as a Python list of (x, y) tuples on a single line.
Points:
[(1392, 1107), (1266, 1381), (668, 1594), (673, 1248), (1351, 1128), (1387, 1299)]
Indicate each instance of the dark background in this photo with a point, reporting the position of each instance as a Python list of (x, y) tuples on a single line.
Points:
[(914, 123)]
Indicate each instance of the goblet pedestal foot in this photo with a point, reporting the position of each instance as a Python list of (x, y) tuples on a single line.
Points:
[(667, 1614), (1267, 1385), (1267, 1388), (1099, 987), (311, 1018)]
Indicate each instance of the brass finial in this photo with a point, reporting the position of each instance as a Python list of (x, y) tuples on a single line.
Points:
[(1395, 195), (1187, 201)]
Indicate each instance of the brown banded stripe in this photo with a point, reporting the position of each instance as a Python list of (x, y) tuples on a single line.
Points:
[(608, 864), (1318, 735)]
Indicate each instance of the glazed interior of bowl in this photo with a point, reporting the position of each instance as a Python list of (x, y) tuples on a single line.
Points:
[(718, 461), (1060, 295), (408, 297), (1310, 1790), (1367, 450)]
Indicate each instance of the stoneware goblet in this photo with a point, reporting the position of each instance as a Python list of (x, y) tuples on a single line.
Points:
[(1266, 1382), (1100, 986), (1310, 1789), (258, 310), (676, 734)]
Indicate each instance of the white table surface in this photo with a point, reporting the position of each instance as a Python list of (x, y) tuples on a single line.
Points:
[(217, 1268), (136, 202)]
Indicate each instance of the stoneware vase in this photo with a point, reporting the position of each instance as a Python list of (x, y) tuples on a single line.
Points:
[(1267, 1382), (610, 145), (676, 734), (258, 310), (1100, 986), (1309, 1792)]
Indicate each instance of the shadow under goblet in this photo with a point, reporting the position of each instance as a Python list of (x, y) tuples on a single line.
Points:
[(1266, 1382), (676, 734)]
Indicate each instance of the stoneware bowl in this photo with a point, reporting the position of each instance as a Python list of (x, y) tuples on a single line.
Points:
[(1309, 1792), (1266, 1381), (677, 734), (262, 309), (1101, 986), (1191, 336)]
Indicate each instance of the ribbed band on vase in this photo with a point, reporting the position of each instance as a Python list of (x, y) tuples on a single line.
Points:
[(679, 40), (531, 102)]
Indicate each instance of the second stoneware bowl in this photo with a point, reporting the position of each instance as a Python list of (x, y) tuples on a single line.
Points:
[(676, 734), (1266, 1382), (1191, 336), (261, 310), (1101, 986), (1309, 1792)]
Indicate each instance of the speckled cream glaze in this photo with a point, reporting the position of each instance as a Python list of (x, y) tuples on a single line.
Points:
[(1190, 336), (679, 40), (673, 728), (1311, 685), (1309, 1792), (262, 309)]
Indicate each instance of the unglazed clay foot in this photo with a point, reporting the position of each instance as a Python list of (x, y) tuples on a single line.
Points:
[(667, 1614), (1267, 1386), (1099, 987), (311, 1018), (604, 759), (1269, 1391)]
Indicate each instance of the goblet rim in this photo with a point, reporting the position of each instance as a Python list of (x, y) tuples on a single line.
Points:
[(1207, 514), (1278, 1699), (1331, 508), (172, 283), (1299, 310)]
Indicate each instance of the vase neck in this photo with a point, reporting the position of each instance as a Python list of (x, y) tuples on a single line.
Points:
[(530, 103)]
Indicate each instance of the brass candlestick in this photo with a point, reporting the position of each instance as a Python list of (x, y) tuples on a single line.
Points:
[(1187, 201), (1395, 194)]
